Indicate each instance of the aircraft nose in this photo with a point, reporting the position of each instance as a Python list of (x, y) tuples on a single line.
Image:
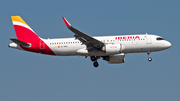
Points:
[(168, 44)]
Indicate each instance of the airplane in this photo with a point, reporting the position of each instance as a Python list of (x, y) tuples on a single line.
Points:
[(110, 48)]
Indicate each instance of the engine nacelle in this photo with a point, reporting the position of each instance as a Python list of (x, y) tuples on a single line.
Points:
[(112, 48), (120, 58)]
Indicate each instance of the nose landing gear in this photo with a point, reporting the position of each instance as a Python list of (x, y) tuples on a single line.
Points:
[(149, 58)]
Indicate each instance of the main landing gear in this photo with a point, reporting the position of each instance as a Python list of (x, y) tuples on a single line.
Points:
[(149, 58), (94, 59), (95, 64)]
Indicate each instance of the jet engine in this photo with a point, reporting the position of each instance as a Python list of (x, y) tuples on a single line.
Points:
[(120, 58), (112, 48)]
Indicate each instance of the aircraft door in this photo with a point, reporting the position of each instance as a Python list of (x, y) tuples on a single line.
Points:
[(148, 39), (42, 45), (121, 48)]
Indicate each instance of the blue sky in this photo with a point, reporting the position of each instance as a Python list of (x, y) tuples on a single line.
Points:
[(26, 76)]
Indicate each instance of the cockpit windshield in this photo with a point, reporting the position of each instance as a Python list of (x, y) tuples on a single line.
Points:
[(159, 38)]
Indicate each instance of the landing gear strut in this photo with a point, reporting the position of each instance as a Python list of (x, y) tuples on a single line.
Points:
[(149, 58)]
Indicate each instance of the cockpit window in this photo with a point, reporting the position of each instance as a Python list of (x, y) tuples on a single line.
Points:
[(159, 38)]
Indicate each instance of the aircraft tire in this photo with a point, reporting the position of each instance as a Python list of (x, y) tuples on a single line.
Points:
[(149, 59), (93, 58), (95, 64)]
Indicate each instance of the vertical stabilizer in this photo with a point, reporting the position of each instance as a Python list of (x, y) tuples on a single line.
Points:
[(23, 31), (27, 38)]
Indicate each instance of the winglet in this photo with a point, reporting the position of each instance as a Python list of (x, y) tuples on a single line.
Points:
[(66, 22)]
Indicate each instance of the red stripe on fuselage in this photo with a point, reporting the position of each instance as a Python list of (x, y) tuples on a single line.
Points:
[(28, 36)]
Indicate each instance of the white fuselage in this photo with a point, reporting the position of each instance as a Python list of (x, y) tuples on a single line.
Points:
[(72, 46)]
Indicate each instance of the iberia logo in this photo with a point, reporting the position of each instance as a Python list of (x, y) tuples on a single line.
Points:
[(127, 37)]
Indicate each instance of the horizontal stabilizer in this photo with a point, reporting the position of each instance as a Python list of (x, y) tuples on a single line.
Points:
[(19, 42)]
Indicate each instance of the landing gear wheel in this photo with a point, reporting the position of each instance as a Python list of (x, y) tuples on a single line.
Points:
[(149, 59), (93, 58), (95, 64)]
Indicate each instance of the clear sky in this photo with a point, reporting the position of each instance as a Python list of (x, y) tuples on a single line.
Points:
[(26, 76)]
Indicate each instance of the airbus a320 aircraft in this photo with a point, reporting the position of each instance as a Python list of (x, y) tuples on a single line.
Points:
[(109, 48)]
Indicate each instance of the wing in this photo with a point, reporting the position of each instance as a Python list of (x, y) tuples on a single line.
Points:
[(90, 42)]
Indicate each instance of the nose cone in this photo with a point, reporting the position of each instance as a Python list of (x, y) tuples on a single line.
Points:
[(168, 44)]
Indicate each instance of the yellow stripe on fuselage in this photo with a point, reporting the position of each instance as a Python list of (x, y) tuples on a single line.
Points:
[(18, 19)]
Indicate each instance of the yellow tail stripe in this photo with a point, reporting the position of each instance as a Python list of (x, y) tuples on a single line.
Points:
[(18, 19)]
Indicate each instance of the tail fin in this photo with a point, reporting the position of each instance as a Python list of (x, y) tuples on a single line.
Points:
[(23, 31)]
